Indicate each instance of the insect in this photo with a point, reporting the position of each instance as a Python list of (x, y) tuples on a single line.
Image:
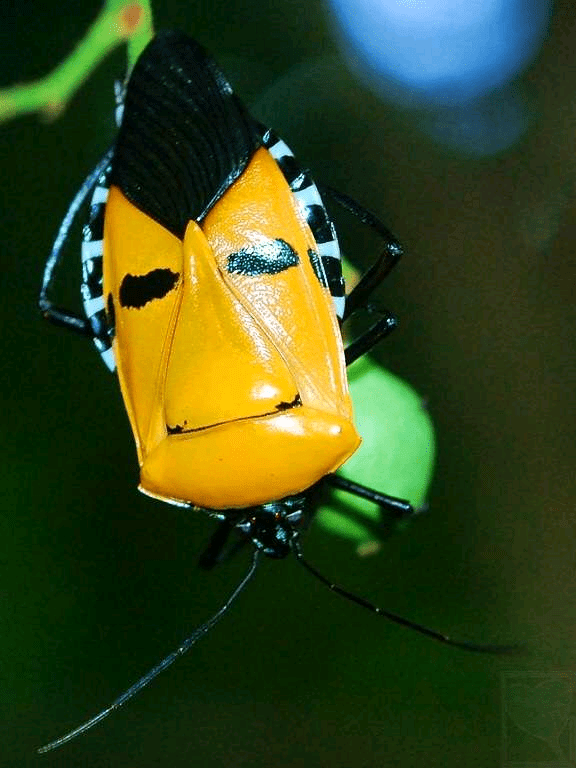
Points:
[(212, 284)]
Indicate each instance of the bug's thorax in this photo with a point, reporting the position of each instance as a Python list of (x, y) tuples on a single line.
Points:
[(272, 527), (245, 396)]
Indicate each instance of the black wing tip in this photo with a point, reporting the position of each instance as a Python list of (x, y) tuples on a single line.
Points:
[(185, 137), (170, 40)]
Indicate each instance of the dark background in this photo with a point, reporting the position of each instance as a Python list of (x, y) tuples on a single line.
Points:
[(98, 582)]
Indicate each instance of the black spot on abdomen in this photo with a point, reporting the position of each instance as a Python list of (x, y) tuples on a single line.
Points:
[(267, 258), (284, 406), (138, 290)]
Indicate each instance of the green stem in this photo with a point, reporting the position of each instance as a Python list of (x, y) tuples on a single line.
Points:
[(119, 21)]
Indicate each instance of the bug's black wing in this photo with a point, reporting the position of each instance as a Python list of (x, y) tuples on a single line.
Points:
[(185, 136)]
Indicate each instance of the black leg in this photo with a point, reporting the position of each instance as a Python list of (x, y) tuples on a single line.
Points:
[(64, 317), (378, 331), (213, 552), (217, 552), (385, 262), (398, 507), (380, 528)]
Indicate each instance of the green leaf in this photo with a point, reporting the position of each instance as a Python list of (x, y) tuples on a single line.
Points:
[(396, 456)]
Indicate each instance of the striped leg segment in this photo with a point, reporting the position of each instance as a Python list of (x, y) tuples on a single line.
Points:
[(328, 267), (92, 266), (90, 325)]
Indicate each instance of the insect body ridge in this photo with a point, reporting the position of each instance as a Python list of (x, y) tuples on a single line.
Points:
[(221, 277), (239, 419)]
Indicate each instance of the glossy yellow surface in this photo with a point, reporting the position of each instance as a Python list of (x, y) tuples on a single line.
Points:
[(216, 356)]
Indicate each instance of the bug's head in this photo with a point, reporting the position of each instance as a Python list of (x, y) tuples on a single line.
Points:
[(272, 526)]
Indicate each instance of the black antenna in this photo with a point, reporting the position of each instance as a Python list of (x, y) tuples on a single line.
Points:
[(164, 664), (394, 617)]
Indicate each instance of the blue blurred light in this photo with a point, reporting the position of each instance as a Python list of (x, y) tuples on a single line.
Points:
[(485, 126), (454, 60), (422, 52)]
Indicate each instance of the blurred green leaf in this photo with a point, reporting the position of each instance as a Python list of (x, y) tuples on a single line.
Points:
[(396, 456)]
